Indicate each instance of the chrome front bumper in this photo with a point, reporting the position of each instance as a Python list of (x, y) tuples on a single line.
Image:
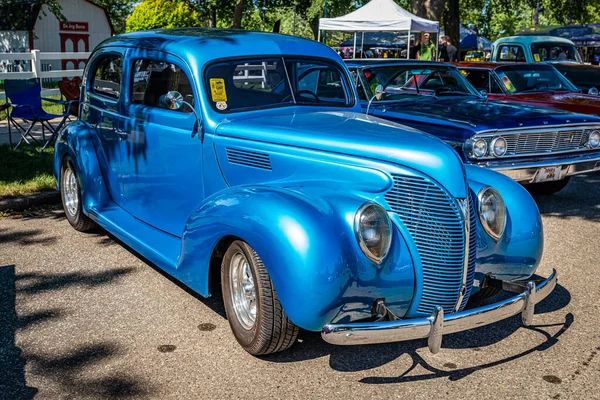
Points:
[(438, 324), (526, 171)]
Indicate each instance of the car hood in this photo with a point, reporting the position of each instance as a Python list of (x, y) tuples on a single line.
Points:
[(556, 99), (353, 134), (479, 114)]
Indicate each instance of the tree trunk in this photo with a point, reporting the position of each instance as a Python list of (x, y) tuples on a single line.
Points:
[(237, 13), (314, 26), (452, 24), (212, 17), (430, 9)]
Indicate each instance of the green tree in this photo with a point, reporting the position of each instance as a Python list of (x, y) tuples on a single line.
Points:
[(15, 14), (118, 10), (151, 14)]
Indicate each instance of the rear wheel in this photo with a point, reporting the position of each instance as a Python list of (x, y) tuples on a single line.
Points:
[(70, 192), (548, 188), (253, 309)]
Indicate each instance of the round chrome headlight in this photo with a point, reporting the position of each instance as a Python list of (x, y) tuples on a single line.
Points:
[(480, 148), (373, 230), (492, 212), (594, 140), (498, 147)]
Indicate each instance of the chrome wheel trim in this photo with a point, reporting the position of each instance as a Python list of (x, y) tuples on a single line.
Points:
[(71, 192), (243, 291)]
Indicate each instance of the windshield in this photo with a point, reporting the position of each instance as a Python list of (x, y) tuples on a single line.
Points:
[(554, 51), (258, 83), (533, 78), (402, 82)]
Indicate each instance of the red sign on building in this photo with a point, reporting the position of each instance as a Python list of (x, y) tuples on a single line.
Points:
[(74, 26)]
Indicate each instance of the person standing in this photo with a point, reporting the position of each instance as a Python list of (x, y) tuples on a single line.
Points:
[(427, 50), (448, 52)]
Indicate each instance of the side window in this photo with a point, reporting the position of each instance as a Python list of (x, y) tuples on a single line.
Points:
[(151, 80), (514, 53), (309, 81), (319, 82), (107, 76), (479, 79), (359, 86), (495, 87)]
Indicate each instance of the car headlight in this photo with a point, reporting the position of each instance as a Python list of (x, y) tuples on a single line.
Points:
[(492, 212), (480, 147), (498, 147), (594, 140), (373, 230)]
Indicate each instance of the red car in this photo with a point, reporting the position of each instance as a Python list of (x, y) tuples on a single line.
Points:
[(534, 84)]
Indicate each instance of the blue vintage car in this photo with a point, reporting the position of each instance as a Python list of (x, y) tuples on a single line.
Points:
[(539, 147), (214, 155)]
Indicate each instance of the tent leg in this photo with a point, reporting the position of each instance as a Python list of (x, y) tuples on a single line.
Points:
[(362, 45), (319, 36), (408, 45), (437, 44), (354, 54)]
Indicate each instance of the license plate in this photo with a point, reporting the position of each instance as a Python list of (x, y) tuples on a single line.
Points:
[(548, 174)]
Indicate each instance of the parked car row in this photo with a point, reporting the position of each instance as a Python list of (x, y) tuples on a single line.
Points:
[(373, 202)]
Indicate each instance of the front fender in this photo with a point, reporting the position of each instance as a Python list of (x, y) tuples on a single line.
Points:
[(518, 253), (76, 140), (307, 245)]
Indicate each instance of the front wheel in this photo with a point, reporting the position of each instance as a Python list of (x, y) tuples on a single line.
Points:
[(253, 309), (70, 193), (547, 188)]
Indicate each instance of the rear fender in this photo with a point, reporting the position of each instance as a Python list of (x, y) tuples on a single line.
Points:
[(76, 140)]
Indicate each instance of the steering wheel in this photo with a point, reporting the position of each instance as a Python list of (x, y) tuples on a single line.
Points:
[(538, 84), (300, 92)]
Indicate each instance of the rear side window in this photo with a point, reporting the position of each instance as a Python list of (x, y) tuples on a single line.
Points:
[(151, 80), (513, 53), (107, 76)]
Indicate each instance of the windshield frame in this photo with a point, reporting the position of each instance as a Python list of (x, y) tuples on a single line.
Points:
[(532, 67), (417, 94), (351, 99)]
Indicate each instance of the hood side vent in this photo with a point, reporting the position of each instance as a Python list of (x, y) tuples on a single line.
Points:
[(248, 158)]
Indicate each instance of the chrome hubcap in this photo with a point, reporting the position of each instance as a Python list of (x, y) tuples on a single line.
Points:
[(243, 291), (71, 192)]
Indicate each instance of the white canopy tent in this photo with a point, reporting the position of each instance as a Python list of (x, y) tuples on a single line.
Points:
[(379, 16)]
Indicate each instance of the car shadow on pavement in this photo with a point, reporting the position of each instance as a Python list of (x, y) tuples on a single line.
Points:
[(365, 357), (581, 198), (66, 369)]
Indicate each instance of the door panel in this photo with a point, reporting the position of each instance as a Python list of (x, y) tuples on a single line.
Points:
[(161, 163)]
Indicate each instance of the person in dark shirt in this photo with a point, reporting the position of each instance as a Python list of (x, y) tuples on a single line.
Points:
[(448, 52)]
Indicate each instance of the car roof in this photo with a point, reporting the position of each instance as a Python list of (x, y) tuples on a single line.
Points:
[(203, 45), (378, 62), (494, 65), (528, 39)]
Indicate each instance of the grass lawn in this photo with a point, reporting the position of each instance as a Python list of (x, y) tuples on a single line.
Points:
[(23, 172)]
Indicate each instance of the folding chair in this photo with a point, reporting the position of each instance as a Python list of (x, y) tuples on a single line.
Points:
[(70, 91), (26, 102)]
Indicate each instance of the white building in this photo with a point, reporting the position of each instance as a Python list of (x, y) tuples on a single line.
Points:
[(89, 24)]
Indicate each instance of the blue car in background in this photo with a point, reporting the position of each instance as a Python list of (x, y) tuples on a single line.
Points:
[(539, 147), (213, 154)]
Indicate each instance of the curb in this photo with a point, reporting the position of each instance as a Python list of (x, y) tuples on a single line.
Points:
[(24, 202)]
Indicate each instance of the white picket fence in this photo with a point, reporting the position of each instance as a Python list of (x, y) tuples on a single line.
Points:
[(35, 57)]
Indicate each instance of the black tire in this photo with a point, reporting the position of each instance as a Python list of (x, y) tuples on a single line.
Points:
[(483, 294), (272, 331), (78, 220), (548, 188)]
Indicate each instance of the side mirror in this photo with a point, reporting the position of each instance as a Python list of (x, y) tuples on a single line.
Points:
[(483, 92), (379, 92), (173, 100), (593, 91)]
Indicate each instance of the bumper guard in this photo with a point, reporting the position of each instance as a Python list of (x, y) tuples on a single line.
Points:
[(438, 324)]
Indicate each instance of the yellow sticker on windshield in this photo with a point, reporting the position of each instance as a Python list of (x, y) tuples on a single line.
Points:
[(217, 89), (536, 57)]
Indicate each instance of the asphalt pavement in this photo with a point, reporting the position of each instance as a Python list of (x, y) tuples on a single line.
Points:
[(82, 316)]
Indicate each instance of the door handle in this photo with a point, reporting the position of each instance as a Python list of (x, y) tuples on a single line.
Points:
[(122, 135)]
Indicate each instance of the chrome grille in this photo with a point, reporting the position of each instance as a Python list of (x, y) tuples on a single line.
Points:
[(472, 249), (545, 142), (436, 224)]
